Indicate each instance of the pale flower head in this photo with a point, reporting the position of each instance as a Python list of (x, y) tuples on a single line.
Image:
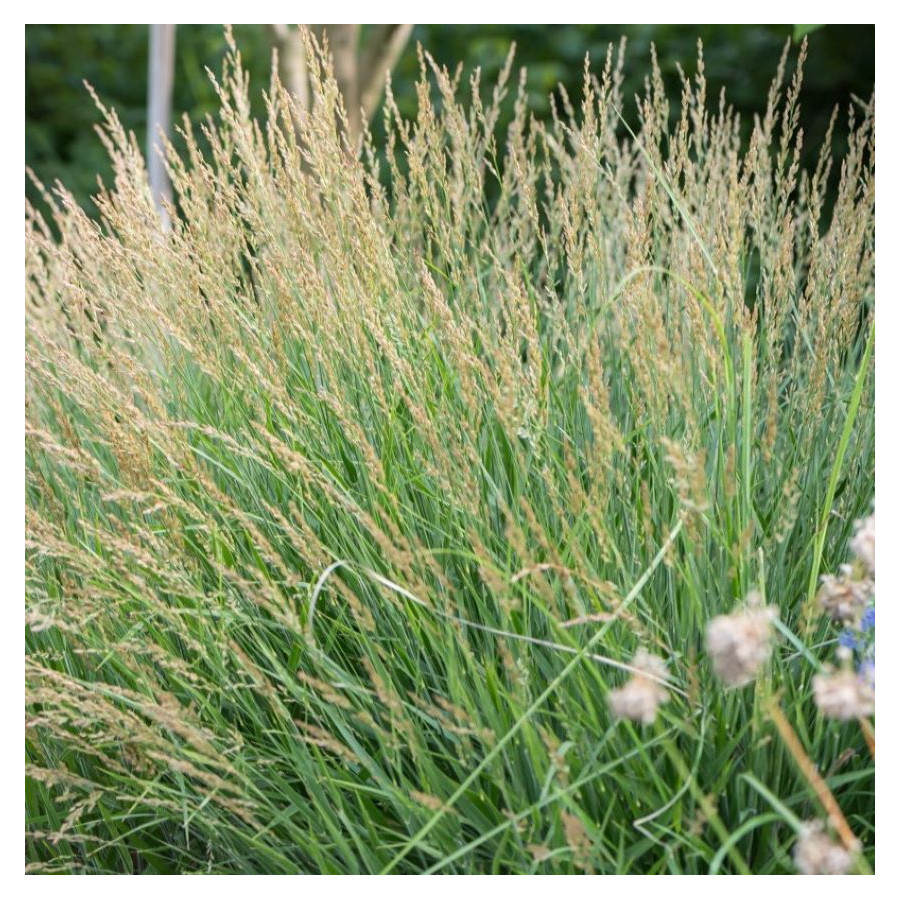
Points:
[(844, 598), (639, 697), (844, 695), (863, 542), (817, 854), (740, 643)]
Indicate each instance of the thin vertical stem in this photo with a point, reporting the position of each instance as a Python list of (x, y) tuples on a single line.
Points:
[(159, 113), (810, 772), (835, 475)]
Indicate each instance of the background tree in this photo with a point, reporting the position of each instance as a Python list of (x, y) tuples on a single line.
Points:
[(59, 115), (160, 82), (361, 58), (360, 67)]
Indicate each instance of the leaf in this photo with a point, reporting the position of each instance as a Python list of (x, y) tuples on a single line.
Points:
[(800, 31)]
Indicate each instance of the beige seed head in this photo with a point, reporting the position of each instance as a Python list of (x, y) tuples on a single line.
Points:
[(740, 643), (863, 542), (843, 597), (817, 854), (843, 695), (639, 698)]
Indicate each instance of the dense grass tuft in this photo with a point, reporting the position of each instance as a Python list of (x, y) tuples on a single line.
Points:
[(351, 499)]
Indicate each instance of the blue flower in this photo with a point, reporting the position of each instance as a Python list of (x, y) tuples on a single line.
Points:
[(868, 620), (848, 639), (867, 670)]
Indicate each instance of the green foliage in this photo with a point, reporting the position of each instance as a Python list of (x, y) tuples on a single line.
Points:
[(59, 116), (800, 31)]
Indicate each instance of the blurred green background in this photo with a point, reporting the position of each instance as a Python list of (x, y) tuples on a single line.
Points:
[(59, 115)]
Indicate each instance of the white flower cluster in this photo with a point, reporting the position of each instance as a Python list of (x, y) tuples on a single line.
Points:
[(740, 644), (817, 854), (639, 698)]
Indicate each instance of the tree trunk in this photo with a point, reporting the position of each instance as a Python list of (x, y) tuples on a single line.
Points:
[(159, 113), (383, 48), (292, 70), (343, 41), (360, 70)]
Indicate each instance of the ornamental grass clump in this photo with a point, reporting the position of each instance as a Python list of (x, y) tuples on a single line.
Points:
[(350, 496)]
